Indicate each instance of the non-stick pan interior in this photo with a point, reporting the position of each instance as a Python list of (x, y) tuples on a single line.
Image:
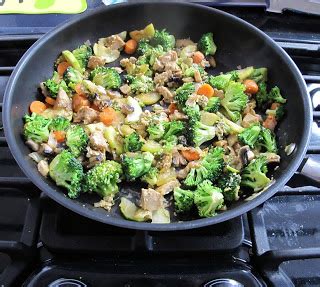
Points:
[(238, 44)]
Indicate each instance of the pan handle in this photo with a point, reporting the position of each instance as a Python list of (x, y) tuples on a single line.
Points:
[(311, 169)]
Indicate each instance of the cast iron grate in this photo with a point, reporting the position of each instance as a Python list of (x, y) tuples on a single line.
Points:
[(163, 273), (19, 223), (64, 231)]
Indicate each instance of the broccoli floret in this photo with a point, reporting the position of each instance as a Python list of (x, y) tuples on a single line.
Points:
[(196, 175), (242, 74), (189, 72), (149, 50), (54, 84), (234, 75), (140, 83), (76, 139), (259, 75), (220, 82), (156, 131), (151, 177), (103, 178), (234, 100), (148, 53), (169, 143), (267, 140), (141, 68), (36, 128), (142, 60), (106, 77), (59, 124), (210, 167), (167, 132), (153, 54), (164, 39), (278, 112), (214, 162), (132, 143), (208, 199), (250, 135), (275, 96), (254, 174), (183, 200), (67, 172), (143, 47), (206, 44), (183, 93), (173, 128), (262, 98), (157, 121), (199, 133), (136, 165), (82, 54), (213, 105), (230, 185), (72, 77), (193, 113), (52, 87)]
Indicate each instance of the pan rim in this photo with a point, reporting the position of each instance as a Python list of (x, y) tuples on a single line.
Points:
[(120, 222)]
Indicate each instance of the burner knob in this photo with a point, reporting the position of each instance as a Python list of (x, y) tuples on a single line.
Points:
[(63, 282), (223, 282)]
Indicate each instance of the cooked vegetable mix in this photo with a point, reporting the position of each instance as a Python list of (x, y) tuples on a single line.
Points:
[(192, 139)]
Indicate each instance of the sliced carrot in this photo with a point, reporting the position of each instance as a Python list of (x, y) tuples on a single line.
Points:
[(79, 89), (62, 67), (37, 107), (197, 57), (107, 116), (206, 90), (50, 101), (274, 106), (172, 107), (270, 122), (59, 136), (131, 46), (190, 155), (251, 86), (79, 101)]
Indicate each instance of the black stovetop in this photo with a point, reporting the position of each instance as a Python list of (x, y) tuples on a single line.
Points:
[(277, 244)]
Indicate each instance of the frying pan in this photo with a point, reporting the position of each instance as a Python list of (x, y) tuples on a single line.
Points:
[(239, 43)]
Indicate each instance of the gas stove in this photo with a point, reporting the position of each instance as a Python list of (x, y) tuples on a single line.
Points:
[(276, 244)]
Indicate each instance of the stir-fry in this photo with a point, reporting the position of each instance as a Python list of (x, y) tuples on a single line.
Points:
[(162, 118)]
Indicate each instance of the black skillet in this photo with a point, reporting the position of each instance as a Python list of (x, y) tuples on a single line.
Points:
[(239, 43)]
